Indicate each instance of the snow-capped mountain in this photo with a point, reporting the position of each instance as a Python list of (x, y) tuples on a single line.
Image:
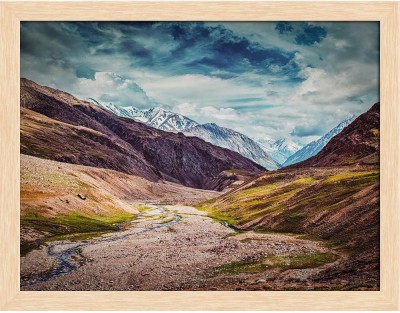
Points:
[(316, 146), (279, 149), (233, 140), (167, 120), (156, 117), (219, 136)]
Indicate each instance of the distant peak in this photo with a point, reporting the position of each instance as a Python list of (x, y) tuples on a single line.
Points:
[(346, 121), (130, 107), (158, 109)]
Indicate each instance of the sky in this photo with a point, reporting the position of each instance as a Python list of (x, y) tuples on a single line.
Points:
[(293, 80)]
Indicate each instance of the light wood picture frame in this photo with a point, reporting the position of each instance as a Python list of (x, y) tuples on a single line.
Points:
[(13, 12)]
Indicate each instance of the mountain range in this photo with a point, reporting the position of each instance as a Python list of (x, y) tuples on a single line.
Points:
[(271, 154), (316, 146), (155, 117), (57, 126), (220, 136), (267, 152)]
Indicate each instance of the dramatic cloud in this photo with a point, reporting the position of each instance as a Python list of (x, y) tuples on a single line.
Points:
[(303, 33), (285, 79), (110, 87)]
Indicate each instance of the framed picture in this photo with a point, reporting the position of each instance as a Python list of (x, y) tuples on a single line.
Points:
[(199, 155)]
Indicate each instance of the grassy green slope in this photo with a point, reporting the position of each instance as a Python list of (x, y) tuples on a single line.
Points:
[(63, 202), (336, 204)]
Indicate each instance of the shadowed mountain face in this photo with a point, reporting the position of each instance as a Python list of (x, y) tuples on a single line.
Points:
[(50, 139), (358, 143), (55, 125)]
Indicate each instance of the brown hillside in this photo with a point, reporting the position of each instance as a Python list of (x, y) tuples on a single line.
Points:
[(89, 135), (323, 197)]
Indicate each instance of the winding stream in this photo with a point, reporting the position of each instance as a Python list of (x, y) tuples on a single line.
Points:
[(64, 256)]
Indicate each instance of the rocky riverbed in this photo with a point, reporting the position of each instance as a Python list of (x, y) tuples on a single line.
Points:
[(176, 247)]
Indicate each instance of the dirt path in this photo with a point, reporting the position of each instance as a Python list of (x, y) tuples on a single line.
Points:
[(174, 247)]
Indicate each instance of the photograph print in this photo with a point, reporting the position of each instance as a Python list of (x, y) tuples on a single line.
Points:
[(199, 156)]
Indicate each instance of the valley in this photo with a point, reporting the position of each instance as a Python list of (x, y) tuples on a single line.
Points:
[(177, 247), (84, 228), (111, 203), (199, 156)]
